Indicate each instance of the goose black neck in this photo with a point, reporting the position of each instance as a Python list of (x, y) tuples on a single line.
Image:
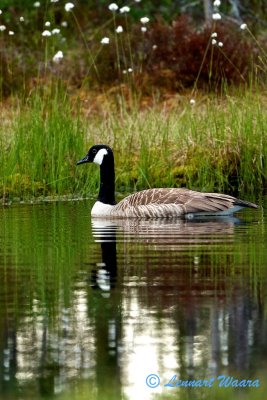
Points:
[(107, 181)]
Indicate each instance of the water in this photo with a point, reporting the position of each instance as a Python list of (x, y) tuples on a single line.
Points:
[(90, 309)]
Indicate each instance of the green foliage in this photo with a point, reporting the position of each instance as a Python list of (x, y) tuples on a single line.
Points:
[(21, 4)]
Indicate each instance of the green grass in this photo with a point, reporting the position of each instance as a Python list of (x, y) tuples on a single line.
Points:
[(40, 147), (215, 145)]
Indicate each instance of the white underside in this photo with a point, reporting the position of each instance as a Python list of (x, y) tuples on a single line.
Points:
[(101, 209)]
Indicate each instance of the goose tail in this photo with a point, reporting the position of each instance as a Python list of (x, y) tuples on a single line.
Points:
[(244, 203)]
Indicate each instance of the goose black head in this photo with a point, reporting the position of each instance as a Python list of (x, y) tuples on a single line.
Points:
[(97, 154)]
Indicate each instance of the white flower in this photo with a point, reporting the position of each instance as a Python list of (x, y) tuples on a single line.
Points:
[(47, 23), (64, 24), (220, 44), (213, 42), (216, 16), (124, 71), (105, 40), (113, 7), (53, 1), (214, 34), (119, 29), (217, 3), (130, 70), (143, 29), (192, 102), (137, 1), (243, 26), (1, 12), (144, 20), (124, 9), (154, 47), (21, 19), (2, 28), (58, 56), (55, 31), (36, 4), (46, 33), (11, 33), (69, 6)]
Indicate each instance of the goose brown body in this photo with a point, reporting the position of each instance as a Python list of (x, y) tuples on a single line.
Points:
[(175, 202), (154, 203)]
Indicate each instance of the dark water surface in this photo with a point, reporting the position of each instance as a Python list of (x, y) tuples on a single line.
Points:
[(90, 309)]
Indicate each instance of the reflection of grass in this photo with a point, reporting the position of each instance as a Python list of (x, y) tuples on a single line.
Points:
[(212, 145), (86, 391)]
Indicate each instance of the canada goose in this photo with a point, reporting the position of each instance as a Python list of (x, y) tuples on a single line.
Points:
[(154, 203)]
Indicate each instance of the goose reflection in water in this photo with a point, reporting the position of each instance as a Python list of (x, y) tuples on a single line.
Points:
[(172, 231), (182, 271), (104, 276)]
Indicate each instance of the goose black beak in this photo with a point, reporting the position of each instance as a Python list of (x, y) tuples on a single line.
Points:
[(83, 160)]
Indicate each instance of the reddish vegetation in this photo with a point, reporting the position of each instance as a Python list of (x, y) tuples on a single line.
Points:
[(173, 56), (181, 50)]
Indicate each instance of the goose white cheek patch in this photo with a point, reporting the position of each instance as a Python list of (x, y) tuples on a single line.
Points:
[(99, 156)]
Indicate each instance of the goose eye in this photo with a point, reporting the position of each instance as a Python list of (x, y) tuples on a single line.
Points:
[(94, 151)]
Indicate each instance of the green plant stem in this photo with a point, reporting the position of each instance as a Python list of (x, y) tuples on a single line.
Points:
[(92, 58), (200, 68)]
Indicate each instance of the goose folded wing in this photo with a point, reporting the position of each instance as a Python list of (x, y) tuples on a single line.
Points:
[(189, 201)]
